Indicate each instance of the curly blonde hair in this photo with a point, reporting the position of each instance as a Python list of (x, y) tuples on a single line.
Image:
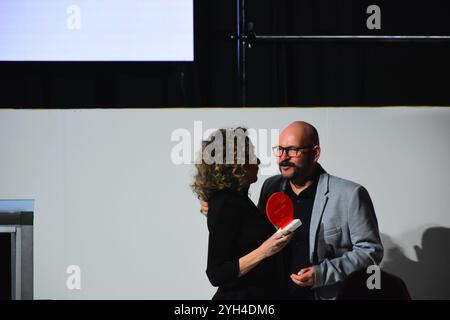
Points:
[(215, 171)]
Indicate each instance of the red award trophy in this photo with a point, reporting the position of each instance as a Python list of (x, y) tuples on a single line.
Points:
[(280, 211)]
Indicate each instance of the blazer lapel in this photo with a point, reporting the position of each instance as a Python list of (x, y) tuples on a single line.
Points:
[(318, 207)]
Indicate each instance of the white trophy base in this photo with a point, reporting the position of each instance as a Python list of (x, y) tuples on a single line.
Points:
[(292, 226)]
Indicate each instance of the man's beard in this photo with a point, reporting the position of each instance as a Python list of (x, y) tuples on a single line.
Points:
[(300, 171)]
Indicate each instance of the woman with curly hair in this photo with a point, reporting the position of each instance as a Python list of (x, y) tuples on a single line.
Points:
[(242, 249)]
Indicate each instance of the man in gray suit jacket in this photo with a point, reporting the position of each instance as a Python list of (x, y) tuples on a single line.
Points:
[(339, 234)]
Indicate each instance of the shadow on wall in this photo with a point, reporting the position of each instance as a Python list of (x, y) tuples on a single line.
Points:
[(429, 277)]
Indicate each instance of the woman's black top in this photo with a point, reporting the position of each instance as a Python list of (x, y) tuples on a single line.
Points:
[(236, 228)]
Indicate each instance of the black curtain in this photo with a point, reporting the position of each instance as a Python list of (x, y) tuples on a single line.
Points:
[(347, 73)]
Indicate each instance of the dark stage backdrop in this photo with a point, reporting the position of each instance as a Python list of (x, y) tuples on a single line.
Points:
[(278, 74)]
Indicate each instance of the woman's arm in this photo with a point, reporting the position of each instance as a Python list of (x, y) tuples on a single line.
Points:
[(269, 247), (224, 224)]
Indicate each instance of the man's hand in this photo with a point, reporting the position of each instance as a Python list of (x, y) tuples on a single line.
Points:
[(305, 277), (204, 207)]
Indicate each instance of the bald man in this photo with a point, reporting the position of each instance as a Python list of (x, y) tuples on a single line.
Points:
[(339, 232)]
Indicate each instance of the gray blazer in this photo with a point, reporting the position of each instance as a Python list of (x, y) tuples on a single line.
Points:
[(343, 234)]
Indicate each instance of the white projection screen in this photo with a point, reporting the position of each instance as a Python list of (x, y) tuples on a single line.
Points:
[(96, 30)]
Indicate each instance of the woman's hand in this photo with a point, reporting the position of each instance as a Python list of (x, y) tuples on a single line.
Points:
[(275, 243), (204, 208), (269, 247)]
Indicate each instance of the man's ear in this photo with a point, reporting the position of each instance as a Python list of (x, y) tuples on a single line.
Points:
[(317, 153)]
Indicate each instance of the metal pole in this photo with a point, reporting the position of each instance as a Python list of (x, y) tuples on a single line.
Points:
[(241, 50), (351, 38)]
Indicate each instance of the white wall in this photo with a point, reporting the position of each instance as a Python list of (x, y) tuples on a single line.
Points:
[(106, 191)]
